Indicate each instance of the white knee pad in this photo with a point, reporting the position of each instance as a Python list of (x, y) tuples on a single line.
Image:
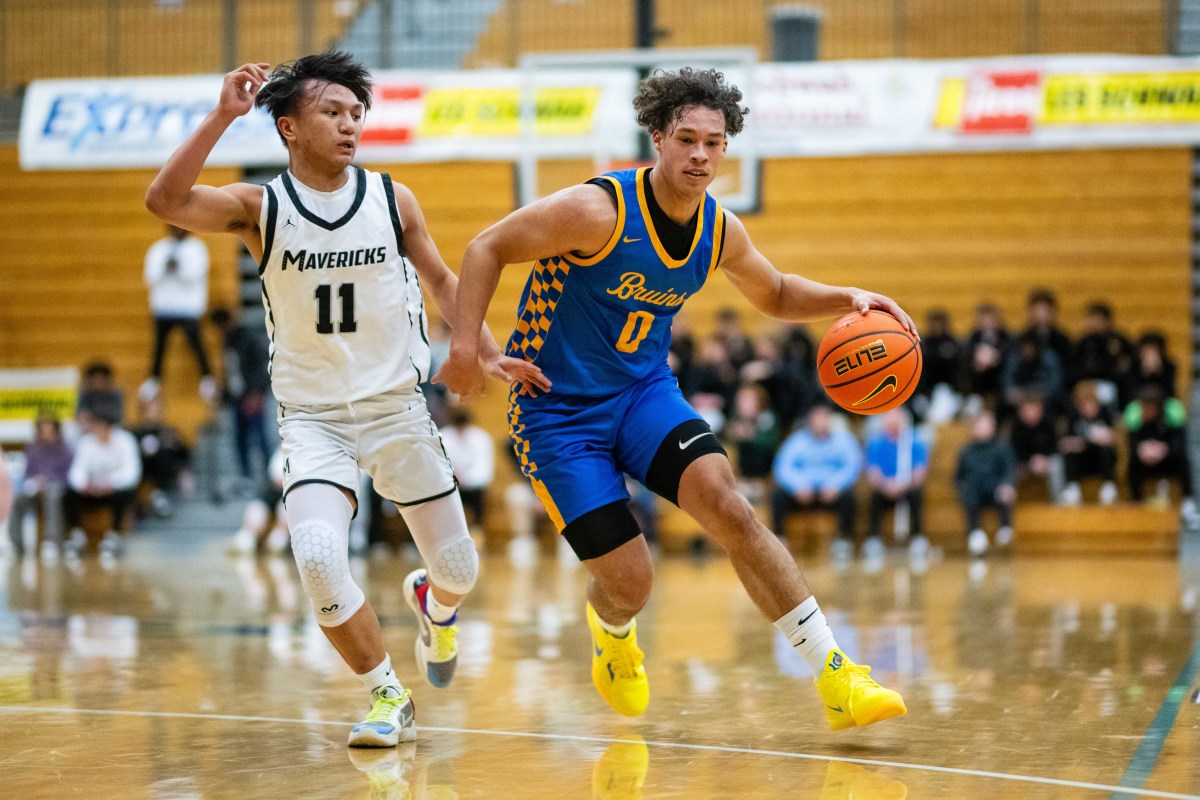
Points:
[(455, 565), (325, 573)]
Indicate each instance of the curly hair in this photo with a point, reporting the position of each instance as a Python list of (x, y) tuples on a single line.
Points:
[(664, 97), (287, 84)]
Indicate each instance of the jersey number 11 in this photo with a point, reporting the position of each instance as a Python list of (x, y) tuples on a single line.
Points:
[(324, 295)]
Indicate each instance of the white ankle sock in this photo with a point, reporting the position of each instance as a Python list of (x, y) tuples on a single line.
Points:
[(440, 613), (382, 675), (619, 631), (806, 628)]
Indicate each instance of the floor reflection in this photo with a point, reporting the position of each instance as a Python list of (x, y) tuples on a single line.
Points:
[(213, 681)]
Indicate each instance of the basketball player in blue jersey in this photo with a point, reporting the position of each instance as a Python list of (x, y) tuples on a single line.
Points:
[(615, 258), (340, 250)]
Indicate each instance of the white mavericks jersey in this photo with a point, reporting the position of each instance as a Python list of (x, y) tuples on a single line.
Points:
[(344, 309)]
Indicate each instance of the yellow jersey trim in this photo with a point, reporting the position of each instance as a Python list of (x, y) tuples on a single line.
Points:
[(718, 232), (616, 236), (658, 246)]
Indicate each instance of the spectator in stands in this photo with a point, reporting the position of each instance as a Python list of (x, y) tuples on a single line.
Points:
[(714, 382), (1034, 436), (165, 458), (681, 356), (799, 388), (247, 387), (1089, 447), (1030, 367), (176, 271), (105, 472), (6, 490), (754, 434), (1158, 446), (897, 460), (1042, 319), (47, 461), (98, 389), (985, 478), (984, 355), (937, 397), (1102, 355), (816, 469), (264, 519), (1151, 365), (729, 331), (473, 457)]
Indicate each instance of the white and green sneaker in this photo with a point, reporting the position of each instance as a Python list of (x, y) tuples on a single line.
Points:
[(390, 721)]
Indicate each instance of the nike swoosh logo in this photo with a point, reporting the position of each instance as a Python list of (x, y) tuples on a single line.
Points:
[(836, 708), (684, 445), (888, 382), (806, 619), (627, 240), (599, 652)]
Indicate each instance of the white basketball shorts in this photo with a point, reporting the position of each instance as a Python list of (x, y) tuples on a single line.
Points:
[(390, 435)]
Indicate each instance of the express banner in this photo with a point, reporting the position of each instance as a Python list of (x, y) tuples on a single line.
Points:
[(817, 109)]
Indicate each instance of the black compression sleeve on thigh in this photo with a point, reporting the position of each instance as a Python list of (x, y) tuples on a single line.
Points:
[(684, 444), (601, 530)]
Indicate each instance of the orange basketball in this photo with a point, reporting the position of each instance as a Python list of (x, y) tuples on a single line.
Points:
[(868, 363)]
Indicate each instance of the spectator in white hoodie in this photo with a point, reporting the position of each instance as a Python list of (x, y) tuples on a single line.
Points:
[(176, 271), (104, 473)]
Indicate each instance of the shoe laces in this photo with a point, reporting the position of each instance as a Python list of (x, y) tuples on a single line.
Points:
[(444, 641), (385, 705), (625, 657)]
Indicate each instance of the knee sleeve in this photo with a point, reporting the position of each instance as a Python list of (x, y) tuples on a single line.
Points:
[(439, 529), (455, 565), (325, 573)]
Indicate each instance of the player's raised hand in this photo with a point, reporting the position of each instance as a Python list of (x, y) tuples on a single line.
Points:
[(865, 301), (240, 87), (507, 369), (461, 375)]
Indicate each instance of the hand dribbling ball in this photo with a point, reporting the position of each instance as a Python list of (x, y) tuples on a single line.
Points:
[(868, 363)]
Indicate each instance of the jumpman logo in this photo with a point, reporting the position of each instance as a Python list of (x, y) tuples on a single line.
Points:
[(289, 221)]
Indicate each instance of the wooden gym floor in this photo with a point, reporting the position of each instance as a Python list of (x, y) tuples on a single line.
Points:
[(183, 673)]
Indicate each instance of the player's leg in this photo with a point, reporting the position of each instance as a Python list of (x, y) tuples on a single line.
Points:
[(318, 449), (400, 447), (565, 452), (690, 468)]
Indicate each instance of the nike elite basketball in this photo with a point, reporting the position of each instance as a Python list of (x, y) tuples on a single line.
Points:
[(868, 363)]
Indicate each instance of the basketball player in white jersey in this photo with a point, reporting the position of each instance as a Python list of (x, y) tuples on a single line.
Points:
[(340, 251)]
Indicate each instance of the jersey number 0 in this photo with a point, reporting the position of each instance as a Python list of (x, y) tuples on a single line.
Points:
[(637, 328), (324, 295)]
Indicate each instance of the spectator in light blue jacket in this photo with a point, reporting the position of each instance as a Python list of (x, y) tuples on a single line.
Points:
[(815, 469)]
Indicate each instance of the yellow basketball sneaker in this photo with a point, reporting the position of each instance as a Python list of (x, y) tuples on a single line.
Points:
[(617, 669), (851, 698)]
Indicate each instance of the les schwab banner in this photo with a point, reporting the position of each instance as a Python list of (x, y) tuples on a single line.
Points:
[(818, 109)]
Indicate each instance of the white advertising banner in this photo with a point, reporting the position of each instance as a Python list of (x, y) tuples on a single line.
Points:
[(415, 116), (818, 109)]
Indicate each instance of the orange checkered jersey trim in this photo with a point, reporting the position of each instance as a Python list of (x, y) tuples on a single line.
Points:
[(528, 466), (537, 313)]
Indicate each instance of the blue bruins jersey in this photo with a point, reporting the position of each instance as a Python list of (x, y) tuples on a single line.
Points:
[(598, 324)]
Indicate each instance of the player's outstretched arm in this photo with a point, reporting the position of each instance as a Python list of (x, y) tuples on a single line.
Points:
[(793, 297), (174, 197), (442, 284), (579, 219)]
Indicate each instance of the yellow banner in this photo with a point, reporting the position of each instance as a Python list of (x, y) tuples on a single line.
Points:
[(27, 404), (561, 111), (1105, 99)]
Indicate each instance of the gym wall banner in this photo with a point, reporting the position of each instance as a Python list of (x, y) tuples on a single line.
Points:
[(818, 109)]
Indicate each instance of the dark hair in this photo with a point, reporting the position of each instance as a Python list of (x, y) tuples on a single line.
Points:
[(1100, 307), (1153, 339), (288, 82), (663, 98), (1043, 296), (220, 316), (98, 368)]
